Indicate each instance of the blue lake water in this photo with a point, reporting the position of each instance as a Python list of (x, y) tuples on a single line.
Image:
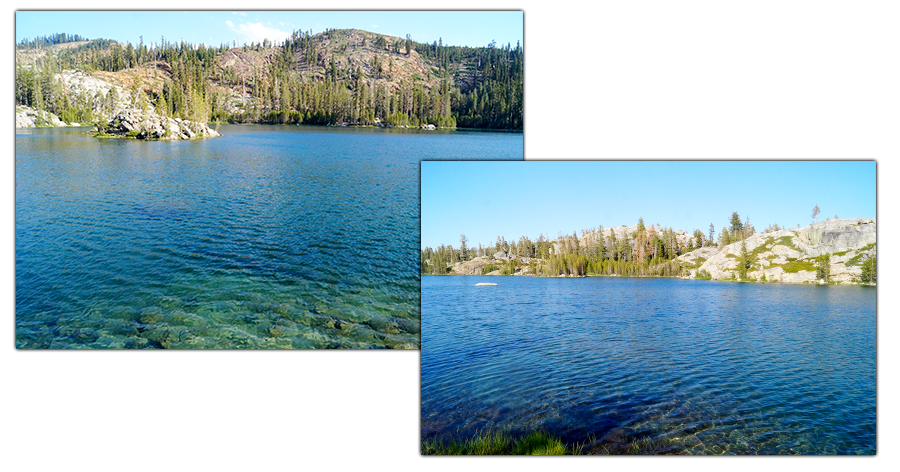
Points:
[(645, 365), (268, 237)]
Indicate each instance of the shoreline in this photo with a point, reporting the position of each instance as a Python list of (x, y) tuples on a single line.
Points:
[(769, 282)]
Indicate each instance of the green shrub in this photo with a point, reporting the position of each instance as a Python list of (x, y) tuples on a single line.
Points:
[(697, 263), (868, 271), (508, 268), (823, 267), (786, 241), (858, 258), (488, 268), (796, 266)]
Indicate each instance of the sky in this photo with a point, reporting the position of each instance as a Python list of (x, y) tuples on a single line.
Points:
[(455, 28), (487, 199)]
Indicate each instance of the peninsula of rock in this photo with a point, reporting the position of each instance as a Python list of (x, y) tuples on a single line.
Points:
[(117, 112)]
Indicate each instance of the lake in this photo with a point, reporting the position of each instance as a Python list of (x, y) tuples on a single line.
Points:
[(652, 365), (268, 237)]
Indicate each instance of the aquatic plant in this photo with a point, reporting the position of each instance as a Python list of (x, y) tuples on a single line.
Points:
[(501, 443)]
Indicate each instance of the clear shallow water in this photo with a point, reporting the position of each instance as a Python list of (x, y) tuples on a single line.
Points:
[(268, 237), (640, 365)]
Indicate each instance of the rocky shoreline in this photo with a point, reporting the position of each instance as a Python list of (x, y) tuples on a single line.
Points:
[(27, 117), (117, 113), (128, 123)]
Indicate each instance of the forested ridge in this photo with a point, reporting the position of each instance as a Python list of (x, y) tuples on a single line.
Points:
[(334, 77)]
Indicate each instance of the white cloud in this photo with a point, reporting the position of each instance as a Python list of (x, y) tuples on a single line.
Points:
[(374, 26), (256, 32)]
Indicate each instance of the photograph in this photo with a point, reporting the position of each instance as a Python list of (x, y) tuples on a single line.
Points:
[(242, 179), (697, 307)]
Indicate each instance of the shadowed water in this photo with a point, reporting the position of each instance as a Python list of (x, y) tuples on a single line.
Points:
[(641, 365), (268, 237)]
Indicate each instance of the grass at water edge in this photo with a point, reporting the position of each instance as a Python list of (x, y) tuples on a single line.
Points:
[(501, 443)]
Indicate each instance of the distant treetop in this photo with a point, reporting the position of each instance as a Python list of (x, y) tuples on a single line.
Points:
[(57, 38)]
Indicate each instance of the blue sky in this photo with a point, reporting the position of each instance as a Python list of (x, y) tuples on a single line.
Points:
[(457, 28), (484, 200)]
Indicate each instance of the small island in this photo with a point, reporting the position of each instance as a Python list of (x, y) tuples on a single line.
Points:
[(134, 123)]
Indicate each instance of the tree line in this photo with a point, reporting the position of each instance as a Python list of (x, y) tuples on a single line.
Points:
[(643, 250), (646, 250), (49, 40), (297, 82), (185, 93)]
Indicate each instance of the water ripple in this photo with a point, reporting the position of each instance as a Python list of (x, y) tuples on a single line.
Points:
[(269, 237), (652, 366)]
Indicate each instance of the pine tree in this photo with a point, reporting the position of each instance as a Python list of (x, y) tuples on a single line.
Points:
[(823, 267), (743, 260), (868, 271), (698, 238), (463, 248), (736, 226), (624, 247), (38, 100), (613, 245), (724, 238)]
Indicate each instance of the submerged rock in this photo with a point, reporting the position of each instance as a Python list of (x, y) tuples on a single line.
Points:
[(338, 324)]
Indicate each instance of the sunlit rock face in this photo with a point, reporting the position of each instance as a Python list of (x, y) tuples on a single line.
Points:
[(27, 117), (789, 255)]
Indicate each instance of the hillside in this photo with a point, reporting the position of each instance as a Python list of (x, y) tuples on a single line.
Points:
[(350, 50), (790, 255), (334, 77)]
